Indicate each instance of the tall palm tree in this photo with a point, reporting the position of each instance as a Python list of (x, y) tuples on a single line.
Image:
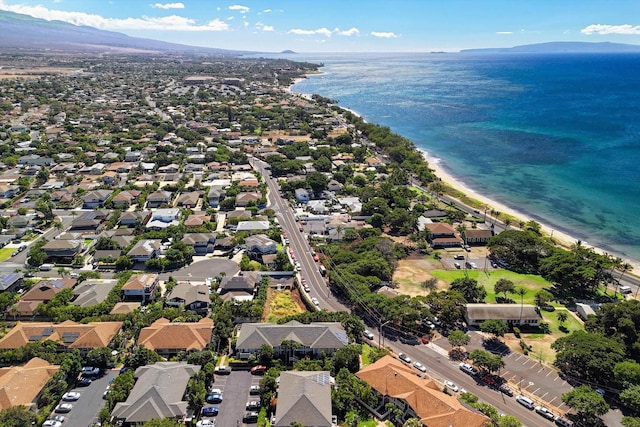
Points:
[(521, 291)]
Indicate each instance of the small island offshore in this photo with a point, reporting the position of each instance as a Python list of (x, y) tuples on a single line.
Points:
[(186, 216)]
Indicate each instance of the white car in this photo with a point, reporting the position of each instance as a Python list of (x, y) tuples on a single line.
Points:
[(64, 407), (545, 412), (420, 367), (315, 301), (205, 423), (52, 423), (71, 396), (368, 334), (404, 358), (451, 385)]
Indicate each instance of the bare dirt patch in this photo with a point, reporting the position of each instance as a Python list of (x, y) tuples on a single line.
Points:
[(411, 272), (33, 73)]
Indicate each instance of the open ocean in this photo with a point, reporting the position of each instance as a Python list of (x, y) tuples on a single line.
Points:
[(556, 136)]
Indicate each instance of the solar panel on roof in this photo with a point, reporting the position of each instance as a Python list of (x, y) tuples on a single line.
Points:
[(323, 378), (47, 331), (70, 337), (35, 337)]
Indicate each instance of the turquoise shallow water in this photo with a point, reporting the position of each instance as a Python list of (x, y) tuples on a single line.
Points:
[(555, 136)]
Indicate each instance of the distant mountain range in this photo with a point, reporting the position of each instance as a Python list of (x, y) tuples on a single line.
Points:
[(562, 47), (26, 32)]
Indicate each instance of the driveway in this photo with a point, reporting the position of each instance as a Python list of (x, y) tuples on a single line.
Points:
[(235, 395), (85, 410)]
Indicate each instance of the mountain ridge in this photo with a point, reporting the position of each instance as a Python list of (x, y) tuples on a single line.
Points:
[(21, 31), (561, 47)]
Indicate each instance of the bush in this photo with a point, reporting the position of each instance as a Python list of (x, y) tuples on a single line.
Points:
[(516, 332), (545, 328)]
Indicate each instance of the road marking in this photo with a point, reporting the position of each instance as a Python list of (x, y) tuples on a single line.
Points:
[(505, 372), (525, 362), (548, 373), (519, 357), (554, 398), (540, 370), (536, 390), (542, 397), (555, 379)]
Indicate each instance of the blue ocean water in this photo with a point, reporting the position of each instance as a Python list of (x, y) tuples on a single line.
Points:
[(556, 135)]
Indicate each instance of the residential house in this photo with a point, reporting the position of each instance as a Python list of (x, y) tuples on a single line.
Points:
[(145, 249), (19, 221), (443, 235), (196, 220), (170, 338), (477, 237), (42, 292), (63, 249), (10, 282), (96, 198), (62, 198), (163, 218), (334, 186), (22, 385), (8, 191), (414, 397), (172, 168), (239, 288), (214, 195), (68, 334), (159, 198), (125, 198), (140, 287), (244, 198), (194, 168), (110, 177), (159, 393), (238, 214), (373, 162), (132, 156), (304, 397), (188, 200), (302, 195), (511, 314), (35, 160), (92, 292), (314, 339), (190, 297), (202, 243), (258, 245), (134, 218), (253, 226)]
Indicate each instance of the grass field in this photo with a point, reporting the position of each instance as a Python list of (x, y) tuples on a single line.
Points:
[(529, 282), (281, 304), (5, 253)]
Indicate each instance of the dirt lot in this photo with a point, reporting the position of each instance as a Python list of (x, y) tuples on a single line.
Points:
[(411, 272), (32, 73), (281, 304)]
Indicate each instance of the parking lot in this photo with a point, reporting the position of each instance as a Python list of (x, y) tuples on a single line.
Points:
[(85, 409), (235, 395)]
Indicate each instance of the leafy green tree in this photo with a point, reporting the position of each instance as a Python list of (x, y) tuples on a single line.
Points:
[(98, 357), (589, 356), (347, 357), (630, 421), (627, 373), (412, 422), (504, 286), (487, 361), (521, 250), (458, 338), (265, 355), (587, 402), (509, 421), (495, 327), (141, 357), (164, 422), (317, 181), (469, 288), (448, 306), (124, 262), (543, 298), (17, 416), (630, 397), (562, 316)]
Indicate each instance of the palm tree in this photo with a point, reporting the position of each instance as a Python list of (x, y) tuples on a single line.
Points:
[(521, 291), (507, 222), (562, 316)]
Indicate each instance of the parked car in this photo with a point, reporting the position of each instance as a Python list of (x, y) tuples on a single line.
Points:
[(458, 257), (206, 423), (562, 422), (253, 405), (250, 417), (315, 301), (222, 370), (541, 410), (420, 367), (258, 370), (63, 408), (506, 390), (210, 411), (83, 382), (451, 385), (52, 423), (368, 334), (525, 401), (254, 390), (404, 358), (59, 418), (71, 396), (456, 265), (213, 398), (468, 369), (90, 371)]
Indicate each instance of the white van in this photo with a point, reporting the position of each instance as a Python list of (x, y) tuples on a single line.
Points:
[(625, 289), (46, 267), (525, 401)]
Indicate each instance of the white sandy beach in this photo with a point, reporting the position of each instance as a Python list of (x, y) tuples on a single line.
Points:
[(561, 238)]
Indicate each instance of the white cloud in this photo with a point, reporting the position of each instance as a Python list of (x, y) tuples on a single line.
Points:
[(266, 11), (265, 28), (611, 29), (168, 5), (243, 9), (173, 22), (384, 35), (504, 33), (353, 31), (324, 31)]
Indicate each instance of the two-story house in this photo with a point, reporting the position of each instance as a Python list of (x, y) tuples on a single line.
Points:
[(140, 287)]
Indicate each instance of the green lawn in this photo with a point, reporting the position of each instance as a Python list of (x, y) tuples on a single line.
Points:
[(488, 279), (551, 317), (5, 253), (366, 350)]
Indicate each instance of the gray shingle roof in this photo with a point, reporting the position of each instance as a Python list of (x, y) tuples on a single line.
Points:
[(315, 335), (304, 397)]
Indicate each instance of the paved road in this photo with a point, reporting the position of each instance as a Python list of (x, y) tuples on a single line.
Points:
[(235, 395), (298, 242)]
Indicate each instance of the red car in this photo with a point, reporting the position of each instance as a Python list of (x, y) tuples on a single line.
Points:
[(258, 370)]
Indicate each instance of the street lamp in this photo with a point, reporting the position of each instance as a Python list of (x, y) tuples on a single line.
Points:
[(382, 325)]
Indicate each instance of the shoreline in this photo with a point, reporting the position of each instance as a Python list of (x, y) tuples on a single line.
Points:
[(561, 238)]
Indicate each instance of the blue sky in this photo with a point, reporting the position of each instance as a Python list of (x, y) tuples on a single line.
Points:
[(351, 25)]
